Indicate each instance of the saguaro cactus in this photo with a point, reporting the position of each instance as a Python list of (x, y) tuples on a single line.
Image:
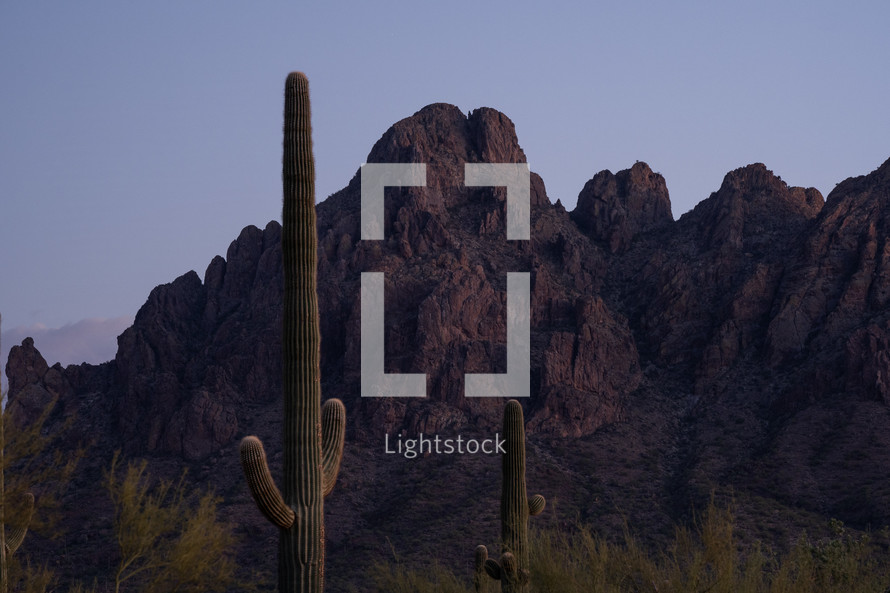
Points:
[(313, 436), (513, 568)]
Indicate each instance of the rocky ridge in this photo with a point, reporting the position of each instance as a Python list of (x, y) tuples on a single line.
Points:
[(743, 348)]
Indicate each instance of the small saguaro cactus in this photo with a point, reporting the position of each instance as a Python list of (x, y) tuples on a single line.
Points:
[(513, 568), (313, 435)]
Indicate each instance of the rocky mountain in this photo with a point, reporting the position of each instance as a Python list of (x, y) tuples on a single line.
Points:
[(743, 349)]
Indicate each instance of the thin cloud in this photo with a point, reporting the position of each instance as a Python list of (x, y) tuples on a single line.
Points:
[(89, 340)]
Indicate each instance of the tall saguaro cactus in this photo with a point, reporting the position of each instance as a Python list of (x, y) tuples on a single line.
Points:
[(513, 568), (313, 436)]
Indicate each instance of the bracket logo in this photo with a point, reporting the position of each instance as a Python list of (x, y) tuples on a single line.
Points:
[(375, 177)]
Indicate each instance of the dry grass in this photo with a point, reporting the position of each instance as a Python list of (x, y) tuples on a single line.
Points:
[(703, 557)]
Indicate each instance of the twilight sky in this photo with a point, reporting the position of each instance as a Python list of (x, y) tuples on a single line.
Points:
[(138, 138)]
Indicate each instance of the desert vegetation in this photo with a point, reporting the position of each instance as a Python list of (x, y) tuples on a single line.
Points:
[(706, 556), (169, 538)]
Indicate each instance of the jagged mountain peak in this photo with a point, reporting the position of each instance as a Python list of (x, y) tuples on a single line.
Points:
[(441, 134), (751, 204), (613, 209), (443, 138)]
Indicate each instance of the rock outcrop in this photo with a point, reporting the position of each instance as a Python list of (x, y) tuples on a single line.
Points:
[(710, 280), (613, 209), (34, 383)]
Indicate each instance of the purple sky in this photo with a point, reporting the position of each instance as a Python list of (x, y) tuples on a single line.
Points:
[(137, 139)]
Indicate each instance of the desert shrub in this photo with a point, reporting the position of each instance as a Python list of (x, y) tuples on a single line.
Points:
[(168, 541), (704, 557), (397, 578)]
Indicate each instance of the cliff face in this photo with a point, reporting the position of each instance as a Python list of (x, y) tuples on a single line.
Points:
[(199, 351), (445, 257), (743, 346), (613, 209)]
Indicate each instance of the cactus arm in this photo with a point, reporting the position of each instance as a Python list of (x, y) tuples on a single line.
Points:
[(513, 578), (17, 534), (536, 505), (493, 569), (480, 558), (333, 433), (267, 496)]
